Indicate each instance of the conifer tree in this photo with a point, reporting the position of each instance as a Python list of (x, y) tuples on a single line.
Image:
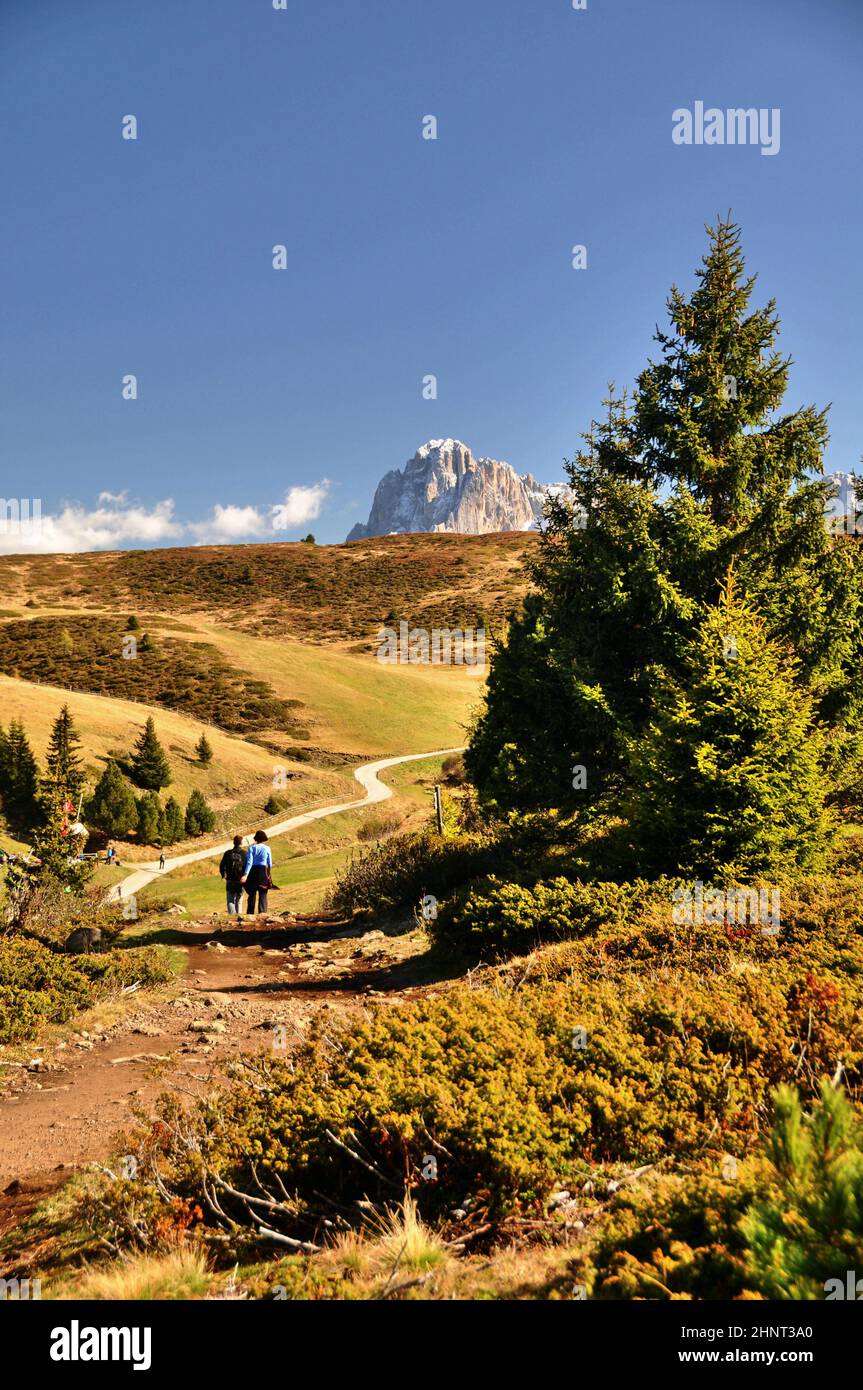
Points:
[(150, 768), (806, 1235), (4, 766), (200, 819), (697, 469), (171, 822), (55, 849), (204, 750), (64, 775), (19, 780), (112, 806), (728, 779), (149, 818)]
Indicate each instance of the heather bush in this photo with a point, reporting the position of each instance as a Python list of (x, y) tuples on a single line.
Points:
[(39, 985)]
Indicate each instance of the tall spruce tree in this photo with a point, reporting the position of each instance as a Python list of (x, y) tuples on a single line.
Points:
[(64, 774), (19, 780), (728, 780), (150, 768), (696, 469)]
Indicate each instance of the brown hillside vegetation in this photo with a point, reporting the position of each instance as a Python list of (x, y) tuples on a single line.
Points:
[(309, 591)]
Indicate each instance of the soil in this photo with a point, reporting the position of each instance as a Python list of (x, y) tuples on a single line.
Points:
[(67, 1107)]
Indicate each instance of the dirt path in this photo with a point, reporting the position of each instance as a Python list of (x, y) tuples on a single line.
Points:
[(67, 1105), (240, 983), (366, 775)]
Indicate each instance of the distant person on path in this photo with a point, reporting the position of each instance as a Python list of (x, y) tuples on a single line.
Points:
[(162, 860), (232, 866), (258, 877)]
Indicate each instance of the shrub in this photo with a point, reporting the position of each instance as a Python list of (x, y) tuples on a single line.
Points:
[(452, 769), (788, 1223), (376, 828), (459, 1077), (503, 918), (46, 908), (39, 985), (399, 871), (672, 1238)]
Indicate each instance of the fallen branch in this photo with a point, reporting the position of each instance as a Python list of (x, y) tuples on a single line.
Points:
[(358, 1159), (305, 1246)]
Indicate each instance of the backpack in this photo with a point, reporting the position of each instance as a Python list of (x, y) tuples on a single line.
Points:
[(235, 862)]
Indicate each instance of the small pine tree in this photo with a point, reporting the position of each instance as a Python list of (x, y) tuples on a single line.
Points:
[(146, 643), (64, 774), (172, 825), (309, 539), (806, 1236), (204, 750), (112, 806), (200, 819), (132, 624), (150, 768), (149, 818), (728, 780)]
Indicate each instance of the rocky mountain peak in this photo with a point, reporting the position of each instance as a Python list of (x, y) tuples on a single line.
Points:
[(444, 488)]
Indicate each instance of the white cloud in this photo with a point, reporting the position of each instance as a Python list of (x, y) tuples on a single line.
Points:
[(229, 524), (114, 524), (301, 504), (75, 529)]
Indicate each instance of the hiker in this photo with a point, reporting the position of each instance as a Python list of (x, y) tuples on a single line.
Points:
[(162, 859), (258, 877), (232, 866)]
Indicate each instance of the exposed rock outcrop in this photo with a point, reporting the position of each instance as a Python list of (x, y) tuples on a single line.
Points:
[(444, 488)]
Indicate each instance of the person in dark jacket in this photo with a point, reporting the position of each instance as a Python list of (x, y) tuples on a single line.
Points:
[(258, 877), (232, 867)]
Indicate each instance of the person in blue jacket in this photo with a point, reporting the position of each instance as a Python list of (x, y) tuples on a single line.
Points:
[(258, 878)]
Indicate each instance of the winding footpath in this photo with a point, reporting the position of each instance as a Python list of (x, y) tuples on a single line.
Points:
[(366, 775)]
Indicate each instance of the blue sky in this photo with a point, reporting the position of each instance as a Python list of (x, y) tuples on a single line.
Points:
[(406, 257)]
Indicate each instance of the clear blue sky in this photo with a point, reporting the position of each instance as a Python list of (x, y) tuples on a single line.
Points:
[(406, 256)]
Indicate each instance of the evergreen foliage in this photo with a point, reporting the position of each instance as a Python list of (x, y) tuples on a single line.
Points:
[(150, 768)]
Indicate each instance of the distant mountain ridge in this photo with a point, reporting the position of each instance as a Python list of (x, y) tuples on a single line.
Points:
[(444, 488)]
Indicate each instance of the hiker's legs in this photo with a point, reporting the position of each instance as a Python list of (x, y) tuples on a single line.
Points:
[(234, 895), (250, 905), (262, 899)]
